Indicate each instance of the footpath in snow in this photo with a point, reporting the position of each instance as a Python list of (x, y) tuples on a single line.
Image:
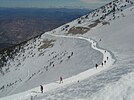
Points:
[(35, 92)]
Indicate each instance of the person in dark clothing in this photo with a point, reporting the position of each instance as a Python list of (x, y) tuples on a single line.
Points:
[(105, 61), (107, 58), (72, 54), (61, 80), (41, 88), (96, 66), (102, 64)]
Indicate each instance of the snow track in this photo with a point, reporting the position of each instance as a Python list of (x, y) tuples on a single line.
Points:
[(33, 93)]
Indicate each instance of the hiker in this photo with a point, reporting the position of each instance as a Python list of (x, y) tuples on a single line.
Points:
[(105, 51), (105, 61), (107, 58), (102, 64), (61, 80), (71, 53), (41, 88), (96, 66)]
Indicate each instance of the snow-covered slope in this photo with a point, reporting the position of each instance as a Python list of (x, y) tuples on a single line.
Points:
[(67, 51), (44, 60), (35, 92), (99, 17)]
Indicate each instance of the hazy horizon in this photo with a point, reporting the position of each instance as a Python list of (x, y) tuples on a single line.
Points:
[(90, 4)]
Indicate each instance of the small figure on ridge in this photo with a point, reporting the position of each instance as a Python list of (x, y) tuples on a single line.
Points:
[(61, 80), (41, 88)]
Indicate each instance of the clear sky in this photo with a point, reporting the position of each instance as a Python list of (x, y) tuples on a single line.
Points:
[(53, 3)]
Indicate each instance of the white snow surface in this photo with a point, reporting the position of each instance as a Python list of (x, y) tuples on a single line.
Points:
[(33, 93), (82, 81), (48, 64)]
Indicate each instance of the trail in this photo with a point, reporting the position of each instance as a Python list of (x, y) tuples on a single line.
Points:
[(71, 80)]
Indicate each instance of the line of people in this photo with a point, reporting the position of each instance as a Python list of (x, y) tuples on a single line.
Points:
[(103, 63), (61, 78)]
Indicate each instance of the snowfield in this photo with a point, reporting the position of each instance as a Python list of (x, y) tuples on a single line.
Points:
[(72, 51), (49, 64), (34, 93)]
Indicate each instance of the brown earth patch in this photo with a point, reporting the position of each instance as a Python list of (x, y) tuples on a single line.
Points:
[(105, 23), (94, 24), (47, 44), (78, 30)]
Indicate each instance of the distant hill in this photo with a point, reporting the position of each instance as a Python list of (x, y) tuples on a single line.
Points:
[(20, 24)]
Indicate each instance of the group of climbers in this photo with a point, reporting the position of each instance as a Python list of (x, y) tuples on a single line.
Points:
[(103, 63), (61, 78)]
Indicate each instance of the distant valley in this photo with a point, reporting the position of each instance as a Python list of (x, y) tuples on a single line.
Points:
[(21, 24)]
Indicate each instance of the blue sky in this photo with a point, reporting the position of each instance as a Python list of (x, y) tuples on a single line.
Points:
[(53, 3)]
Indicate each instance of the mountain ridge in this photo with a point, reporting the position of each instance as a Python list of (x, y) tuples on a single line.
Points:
[(76, 26)]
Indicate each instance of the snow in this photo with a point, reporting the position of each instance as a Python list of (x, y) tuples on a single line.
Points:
[(123, 89), (71, 80), (68, 67), (82, 81)]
